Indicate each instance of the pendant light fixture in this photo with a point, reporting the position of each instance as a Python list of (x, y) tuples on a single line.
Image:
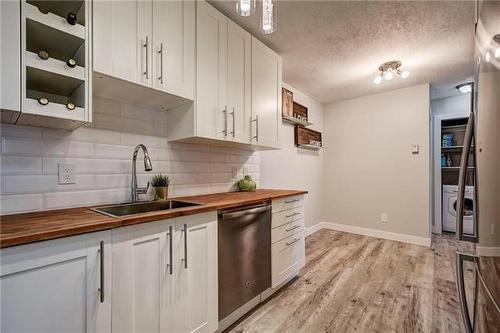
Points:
[(245, 7), (387, 70), (268, 19)]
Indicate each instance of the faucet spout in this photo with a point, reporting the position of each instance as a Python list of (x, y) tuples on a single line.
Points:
[(148, 166)]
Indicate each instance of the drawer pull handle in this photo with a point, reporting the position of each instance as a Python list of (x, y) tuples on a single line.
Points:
[(293, 242), (292, 215), (293, 228), (291, 201)]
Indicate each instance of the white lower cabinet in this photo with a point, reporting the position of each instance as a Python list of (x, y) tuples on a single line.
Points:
[(165, 276), (56, 285), (287, 238)]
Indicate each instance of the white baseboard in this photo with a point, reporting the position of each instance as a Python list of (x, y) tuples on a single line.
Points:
[(370, 232), (488, 251)]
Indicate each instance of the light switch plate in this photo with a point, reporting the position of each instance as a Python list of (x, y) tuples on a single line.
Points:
[(415, 149), (67, 174), (384, 218)]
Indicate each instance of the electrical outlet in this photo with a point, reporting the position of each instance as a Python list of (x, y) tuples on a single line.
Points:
[(384, 218), (67, 174)]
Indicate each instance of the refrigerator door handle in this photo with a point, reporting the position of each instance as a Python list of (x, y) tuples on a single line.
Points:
[(462, 178), (461, 290)]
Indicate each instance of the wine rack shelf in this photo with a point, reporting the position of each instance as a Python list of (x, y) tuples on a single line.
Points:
[(54, 66), (55, 110), (54, 21)]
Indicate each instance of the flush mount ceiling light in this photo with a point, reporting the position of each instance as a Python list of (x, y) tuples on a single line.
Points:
[(387, 70), (465, 88), (245, 7), (268, 19)]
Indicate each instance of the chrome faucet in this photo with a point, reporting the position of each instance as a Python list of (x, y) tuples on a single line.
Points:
[(147, 167)]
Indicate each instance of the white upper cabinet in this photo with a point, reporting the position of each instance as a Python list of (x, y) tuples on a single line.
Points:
[(122, 40), (266, 91), (61, 285), (145, 42), (173, 47), (211, 78), (239, 82), (10, 53)]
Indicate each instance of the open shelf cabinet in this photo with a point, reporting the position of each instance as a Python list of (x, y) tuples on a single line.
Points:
[(66, 85)]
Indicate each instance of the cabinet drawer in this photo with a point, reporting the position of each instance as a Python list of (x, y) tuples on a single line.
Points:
[(280, 205), (286, 230), (288, 256), (287, 216)]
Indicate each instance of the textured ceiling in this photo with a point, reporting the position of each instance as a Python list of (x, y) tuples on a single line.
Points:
[(332, 49)]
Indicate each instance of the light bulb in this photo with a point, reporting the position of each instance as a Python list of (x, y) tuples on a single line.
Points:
[(245, 7), (377, 79), (388, 75), (267, 23), (497, 52), (487, 56), (405, 74)]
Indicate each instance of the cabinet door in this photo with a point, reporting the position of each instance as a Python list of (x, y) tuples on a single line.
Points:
[(122, 39), (10, 53), (140, 277), (239, 58), (174, 39), (211, 67), (196, 277), (266, 93), (53, 286)]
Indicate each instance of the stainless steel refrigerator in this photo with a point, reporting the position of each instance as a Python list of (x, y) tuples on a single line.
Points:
[(481, 307)]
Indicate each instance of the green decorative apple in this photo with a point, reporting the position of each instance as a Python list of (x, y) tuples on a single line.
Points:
[(247, 184)]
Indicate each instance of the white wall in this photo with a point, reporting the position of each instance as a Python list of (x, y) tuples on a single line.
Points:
[(294, 168), (369, 167), (459, 104), (102, 156)]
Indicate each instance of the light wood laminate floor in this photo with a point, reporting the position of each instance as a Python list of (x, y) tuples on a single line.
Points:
[(354, 283)]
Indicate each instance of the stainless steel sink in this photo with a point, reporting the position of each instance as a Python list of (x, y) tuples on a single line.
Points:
[(141, 207)]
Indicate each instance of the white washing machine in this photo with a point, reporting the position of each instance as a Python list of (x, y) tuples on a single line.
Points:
[(450, 195)]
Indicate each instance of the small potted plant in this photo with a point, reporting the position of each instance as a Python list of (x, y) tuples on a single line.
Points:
[(160, 186)]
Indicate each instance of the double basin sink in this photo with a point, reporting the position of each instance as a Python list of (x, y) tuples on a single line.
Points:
[(141, 207)]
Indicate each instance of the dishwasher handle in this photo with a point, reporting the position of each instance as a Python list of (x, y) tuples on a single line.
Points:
[(241, 213)]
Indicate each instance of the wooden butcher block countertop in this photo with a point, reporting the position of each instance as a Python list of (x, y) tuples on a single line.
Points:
[(26, 228)]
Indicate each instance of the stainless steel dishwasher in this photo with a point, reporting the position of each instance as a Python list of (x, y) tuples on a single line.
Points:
[(244, 255)]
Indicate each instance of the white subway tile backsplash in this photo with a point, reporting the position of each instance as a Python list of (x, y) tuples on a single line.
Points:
[(21, 165), (102, 155), (16, 146), (21, 203), (68, 148)]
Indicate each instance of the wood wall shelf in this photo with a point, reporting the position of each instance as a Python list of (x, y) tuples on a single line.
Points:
[(296, 121), (293, 112), (307, 138)]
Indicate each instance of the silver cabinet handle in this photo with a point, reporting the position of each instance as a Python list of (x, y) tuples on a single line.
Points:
[(225, 120), (170, 265), (292, 215), (256, 120), (461, 289), (293, 228), (146, 45), (462, 177), (233, 132), (185, 259), (161, 63), (101, 271), (291, 201), (293, 242)]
